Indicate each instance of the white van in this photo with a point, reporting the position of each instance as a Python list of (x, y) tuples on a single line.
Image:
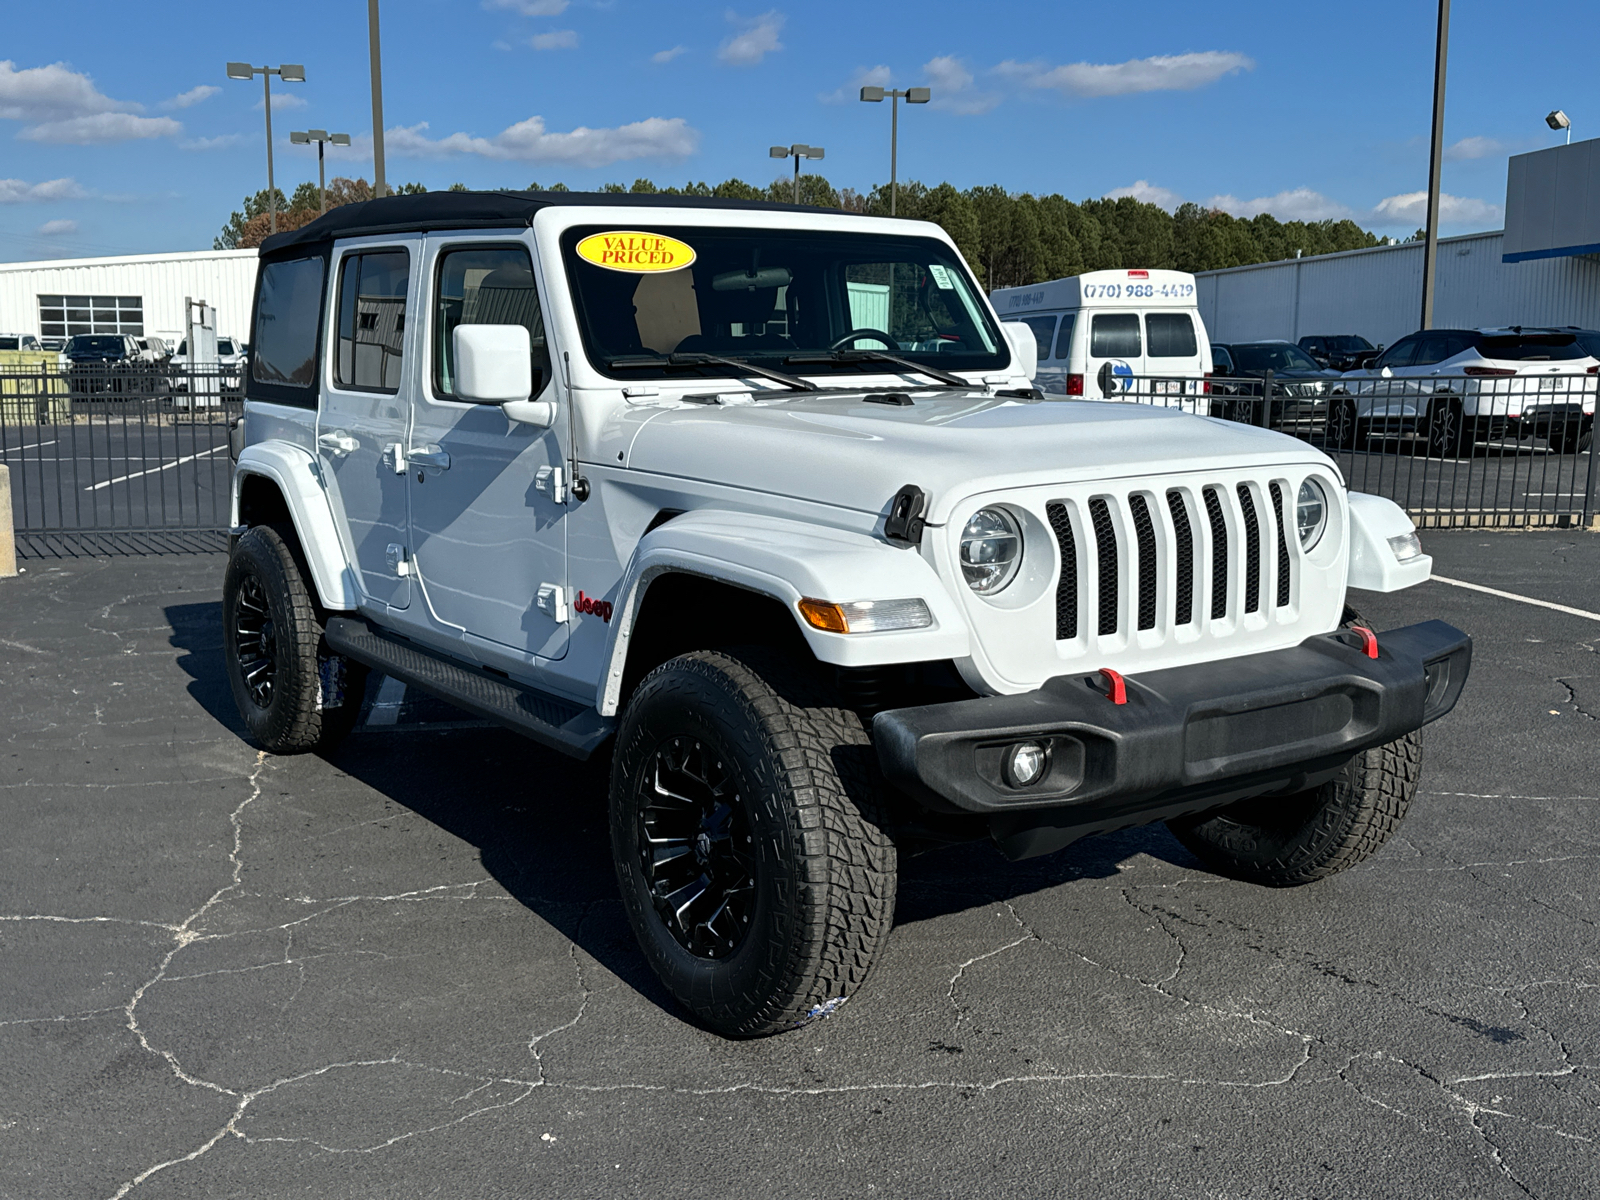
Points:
[(1115, 335)]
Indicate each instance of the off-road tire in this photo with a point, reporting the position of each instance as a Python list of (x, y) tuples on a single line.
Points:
[(1575, 438), (1285, 841), (821, 860), (294, 719)]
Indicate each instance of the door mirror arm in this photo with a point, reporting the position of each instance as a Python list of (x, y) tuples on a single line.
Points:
[(541, 413)]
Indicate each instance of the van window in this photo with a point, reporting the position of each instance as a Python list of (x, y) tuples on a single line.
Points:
[(1044, 330), (288, 307), (1170, 335), (1115, 335), (1064, 336), (485, 286), (372, 320)]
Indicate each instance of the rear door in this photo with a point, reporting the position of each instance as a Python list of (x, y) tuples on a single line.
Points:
[(1116, 354), (1173, 357)]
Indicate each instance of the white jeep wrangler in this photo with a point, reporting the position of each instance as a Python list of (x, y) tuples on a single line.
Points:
[(761, 503)]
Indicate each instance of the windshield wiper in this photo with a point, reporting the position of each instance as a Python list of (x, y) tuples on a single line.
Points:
[(883, 356), (641, 362)]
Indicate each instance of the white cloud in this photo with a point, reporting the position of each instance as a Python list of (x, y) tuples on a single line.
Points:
[(530, 8), (220, 142), (57, 228), (15, 191), (192, 97), (101, 127), (953, 88), (1162, 73), (1475, 147), (1150, 193), (666, 56), (556, 39), (282, 100), (529, 141), (879, 76), (755, 41), (1411, 209), (1296, 204)]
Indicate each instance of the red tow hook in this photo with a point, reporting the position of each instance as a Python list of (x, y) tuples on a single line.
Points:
[(1369, 640), (1117, 687)]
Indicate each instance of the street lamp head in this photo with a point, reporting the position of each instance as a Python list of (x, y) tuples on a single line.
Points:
[(872, 95), (811, 151), (240, 71), (300, 138), (918, 95), (317, 135), (1558, 120), (339, 139), (778, 152), (292, 73)]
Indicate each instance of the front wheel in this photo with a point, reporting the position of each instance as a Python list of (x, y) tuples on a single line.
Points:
[(1446, 432), (749, 841)]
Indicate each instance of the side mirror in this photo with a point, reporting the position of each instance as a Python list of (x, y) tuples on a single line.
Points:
[(493, 363), (1386, 373), (1024, 346)]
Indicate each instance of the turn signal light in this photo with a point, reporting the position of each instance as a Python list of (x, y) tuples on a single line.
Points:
[(866, 616), (1074, 385)]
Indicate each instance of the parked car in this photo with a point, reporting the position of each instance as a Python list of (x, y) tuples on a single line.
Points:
[(103, 364), (1340, 351), (652, 485), (154, 351), (1300, 386), (231, 364), (1463, 386), (20, 341)]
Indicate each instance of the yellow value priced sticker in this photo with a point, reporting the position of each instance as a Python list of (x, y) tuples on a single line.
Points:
[(640, 253)]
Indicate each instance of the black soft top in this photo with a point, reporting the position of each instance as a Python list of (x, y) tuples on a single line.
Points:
[(429, 211)]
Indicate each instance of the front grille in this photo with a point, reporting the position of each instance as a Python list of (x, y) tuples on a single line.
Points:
[(1167, 542)]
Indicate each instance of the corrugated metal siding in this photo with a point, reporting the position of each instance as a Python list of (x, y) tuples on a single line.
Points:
[(1378, 293), (224, 278)]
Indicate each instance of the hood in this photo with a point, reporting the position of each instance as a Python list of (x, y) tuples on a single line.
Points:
[(841, 449)]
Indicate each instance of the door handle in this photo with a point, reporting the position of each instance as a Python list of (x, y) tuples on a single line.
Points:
[(338, 442), (430, 456)]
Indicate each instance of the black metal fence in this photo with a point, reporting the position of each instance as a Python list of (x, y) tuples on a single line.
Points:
[(117, 450), (1487, 449)]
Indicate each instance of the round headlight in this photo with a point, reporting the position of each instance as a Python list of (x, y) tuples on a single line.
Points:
[(991, 550), (1311, 513)]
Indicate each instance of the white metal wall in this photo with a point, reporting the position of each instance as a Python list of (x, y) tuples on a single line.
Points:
[(224, 278), (1378, 293)]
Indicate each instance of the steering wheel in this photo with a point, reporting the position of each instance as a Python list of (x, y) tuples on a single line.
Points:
[(856, 335)]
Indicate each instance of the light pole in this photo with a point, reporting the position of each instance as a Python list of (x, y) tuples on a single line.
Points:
[(320, 137), (289, 73), (1430, 247), (378, 188), (797, 151), (875, 95), (1558, 121)]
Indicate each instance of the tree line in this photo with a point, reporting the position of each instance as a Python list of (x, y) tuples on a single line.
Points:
[(1009, 238)]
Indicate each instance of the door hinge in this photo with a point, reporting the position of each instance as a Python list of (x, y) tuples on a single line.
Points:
[(553, 602), (552, 482), (399, 562), (394, 457)]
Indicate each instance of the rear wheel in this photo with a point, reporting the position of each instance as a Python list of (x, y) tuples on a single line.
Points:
[(749, 841), (1446, 435), (1575, 437), (1343, 430)]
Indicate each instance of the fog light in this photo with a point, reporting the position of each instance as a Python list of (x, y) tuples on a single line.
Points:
[(1026, 763)]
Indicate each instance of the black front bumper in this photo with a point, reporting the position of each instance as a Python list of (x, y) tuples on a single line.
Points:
[(1187, 738)]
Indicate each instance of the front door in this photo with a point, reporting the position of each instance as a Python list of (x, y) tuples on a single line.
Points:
[(364, 414), (488, 495)]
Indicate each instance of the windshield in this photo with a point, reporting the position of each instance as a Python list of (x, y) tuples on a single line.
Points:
[(1272, 356), (90, 344), (1348, 344), (769, 295)]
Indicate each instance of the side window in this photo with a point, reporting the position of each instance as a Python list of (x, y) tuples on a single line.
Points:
[(1433, 348), (1170, 335), (1400, 354), (1221, 361), (1313, 345), (1064, 336), (288, 310), (1115, 335), (485, 286), (1044, 330), (372, 320)]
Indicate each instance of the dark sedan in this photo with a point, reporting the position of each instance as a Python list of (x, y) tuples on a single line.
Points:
[(1299, 383)]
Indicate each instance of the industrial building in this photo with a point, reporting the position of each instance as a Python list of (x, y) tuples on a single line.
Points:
[(1542, 269), (137, 294)]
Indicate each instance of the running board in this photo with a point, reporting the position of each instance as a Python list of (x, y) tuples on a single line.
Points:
[(552, 721)]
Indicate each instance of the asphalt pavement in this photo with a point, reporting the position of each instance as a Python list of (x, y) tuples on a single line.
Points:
[(402, 971)]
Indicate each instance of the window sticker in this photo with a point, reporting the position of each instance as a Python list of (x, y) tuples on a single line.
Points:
[(941, 276), (635, 252)]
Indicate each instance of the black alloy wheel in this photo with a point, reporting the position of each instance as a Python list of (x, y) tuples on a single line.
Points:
[(694, 845), (1445, 428), (255, 640)]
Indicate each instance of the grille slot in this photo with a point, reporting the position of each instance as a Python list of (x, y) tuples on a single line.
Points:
[(1067, 589), (1145, 533), (1105, 541), (1185, 539), (1283, 545), (1219, 554), (1252, 550)]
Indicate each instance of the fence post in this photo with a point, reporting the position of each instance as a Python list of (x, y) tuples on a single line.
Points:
[(8, 535), (1266, 401), (1588, 489)]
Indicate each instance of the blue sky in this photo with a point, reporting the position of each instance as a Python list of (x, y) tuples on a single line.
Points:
[(121, 133)]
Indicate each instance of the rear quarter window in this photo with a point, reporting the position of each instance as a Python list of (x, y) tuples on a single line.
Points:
[(288, 319)]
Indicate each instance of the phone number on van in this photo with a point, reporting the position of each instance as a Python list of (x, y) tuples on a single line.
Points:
[(1136, 291)]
